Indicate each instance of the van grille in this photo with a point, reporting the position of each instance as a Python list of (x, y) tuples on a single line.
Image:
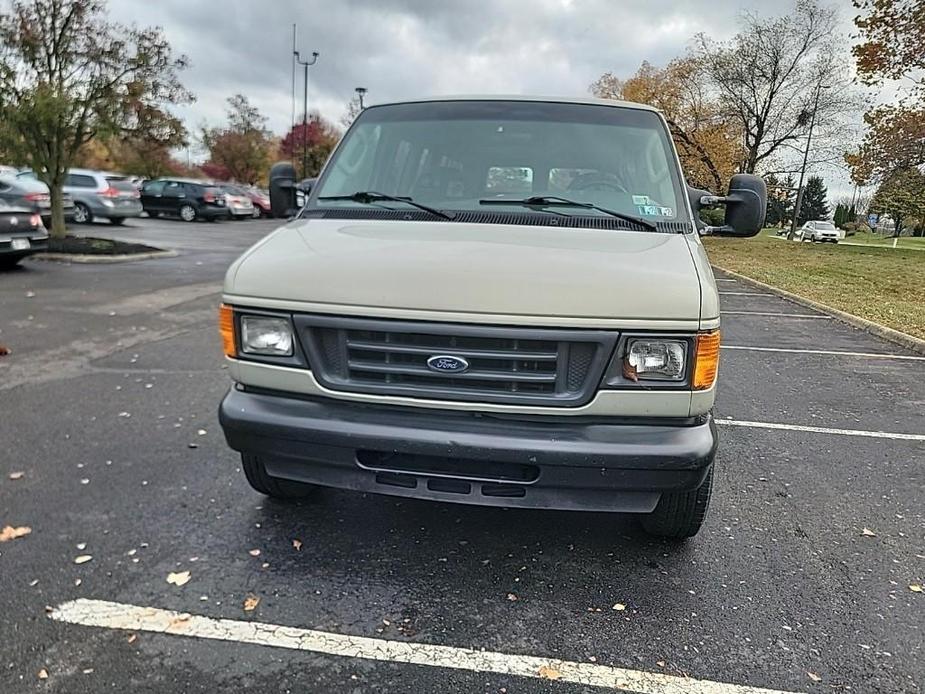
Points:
[(508, 365)]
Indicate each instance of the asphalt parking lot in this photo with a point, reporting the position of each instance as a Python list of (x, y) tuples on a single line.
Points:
[(799, 582)]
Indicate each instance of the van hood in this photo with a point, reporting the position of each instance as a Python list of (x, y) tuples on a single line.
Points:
[(457, 268)]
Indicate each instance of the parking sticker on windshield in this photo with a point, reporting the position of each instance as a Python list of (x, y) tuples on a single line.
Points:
[(655, 211), (640, 199)]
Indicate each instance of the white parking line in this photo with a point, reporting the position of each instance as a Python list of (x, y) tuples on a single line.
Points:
[(114, 615), (745, 294), (777, 315), (821, 430), (830, 352)]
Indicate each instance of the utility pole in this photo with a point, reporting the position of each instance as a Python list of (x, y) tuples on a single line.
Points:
[(305, 65), (361, 92), (809, 139)]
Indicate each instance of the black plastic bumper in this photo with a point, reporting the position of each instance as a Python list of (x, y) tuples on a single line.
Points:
[(470, 458)]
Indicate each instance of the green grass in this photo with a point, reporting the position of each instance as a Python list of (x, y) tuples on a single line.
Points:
[(884, 285)]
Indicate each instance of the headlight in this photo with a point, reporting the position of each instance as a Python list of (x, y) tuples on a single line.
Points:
[(661, 360), (266, 335)]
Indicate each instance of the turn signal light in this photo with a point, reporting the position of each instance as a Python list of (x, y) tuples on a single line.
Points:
[(226, 329), (706, 360)]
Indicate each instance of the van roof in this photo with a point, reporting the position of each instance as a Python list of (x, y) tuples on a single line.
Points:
[(614, 103)]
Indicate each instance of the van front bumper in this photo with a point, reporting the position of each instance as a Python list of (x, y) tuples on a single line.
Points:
[(546, 462)]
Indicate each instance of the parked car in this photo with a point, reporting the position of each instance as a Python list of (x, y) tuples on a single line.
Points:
[(21, 234), (261, 201), (417, 332), (102, 195), (189, 199), (821, 231), (238, 201), (26, 191)]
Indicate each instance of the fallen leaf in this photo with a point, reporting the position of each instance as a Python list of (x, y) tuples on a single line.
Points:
[(297, 544), (4, 350), (814, 677), (8, 532), (549, 673), (181, 618), (87, 671), (661, 663), (180, 578), (251, 602), (254, 552), (81, 546), (192, 445), (511, 597), (82, 559), (619, 607), (201, 432), (915, 588), (17, 475), (867, 532), (43, 674), (132, 638)]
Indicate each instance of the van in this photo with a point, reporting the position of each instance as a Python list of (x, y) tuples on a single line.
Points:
[(102, 195), (500, 301)]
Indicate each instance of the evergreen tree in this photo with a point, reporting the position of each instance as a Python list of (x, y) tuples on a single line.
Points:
[(814, 205)]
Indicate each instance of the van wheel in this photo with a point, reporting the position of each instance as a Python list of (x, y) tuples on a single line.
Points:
[(82, 214), (679, 515), (256, 473), (188, 213)]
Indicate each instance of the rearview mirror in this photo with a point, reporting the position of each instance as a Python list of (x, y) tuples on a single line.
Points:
[(746, 206)]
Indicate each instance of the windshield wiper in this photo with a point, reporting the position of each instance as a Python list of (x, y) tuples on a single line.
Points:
[(368, 197), (556, 201)]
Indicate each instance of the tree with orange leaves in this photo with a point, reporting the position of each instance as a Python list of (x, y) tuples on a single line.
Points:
[(892, 33), (709, 143)]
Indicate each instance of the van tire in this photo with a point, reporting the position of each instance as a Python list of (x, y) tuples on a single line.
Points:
[(82, 214), (679, 515), (256, 473)]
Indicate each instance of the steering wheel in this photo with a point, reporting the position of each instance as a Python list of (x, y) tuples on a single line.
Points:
[(597, 182)]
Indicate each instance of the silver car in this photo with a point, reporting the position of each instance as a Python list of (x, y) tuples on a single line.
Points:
[(239, 202), (102, 195), (820, 231), (25, 190)]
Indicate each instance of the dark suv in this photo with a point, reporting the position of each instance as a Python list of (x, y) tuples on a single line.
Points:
[(187, 198)]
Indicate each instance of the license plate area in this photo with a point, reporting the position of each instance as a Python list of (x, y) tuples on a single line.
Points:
[(20, 244)]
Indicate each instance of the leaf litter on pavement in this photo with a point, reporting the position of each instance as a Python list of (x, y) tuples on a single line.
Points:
[(179, 578), (9, 532)]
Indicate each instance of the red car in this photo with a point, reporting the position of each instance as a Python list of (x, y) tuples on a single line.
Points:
[(261, 202)]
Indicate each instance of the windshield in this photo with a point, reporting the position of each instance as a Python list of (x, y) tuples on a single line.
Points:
[(826, 226), (456, 155)]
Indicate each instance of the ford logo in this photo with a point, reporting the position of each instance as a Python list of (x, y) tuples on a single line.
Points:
[(447, 363)]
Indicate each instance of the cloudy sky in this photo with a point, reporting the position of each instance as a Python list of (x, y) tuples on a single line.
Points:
[(409, 48)]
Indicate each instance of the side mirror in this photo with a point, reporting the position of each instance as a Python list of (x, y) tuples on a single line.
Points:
[(746, 207), (282, 189)]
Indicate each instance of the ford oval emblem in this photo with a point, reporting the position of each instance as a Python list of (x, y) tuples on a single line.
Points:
[(447, 363)]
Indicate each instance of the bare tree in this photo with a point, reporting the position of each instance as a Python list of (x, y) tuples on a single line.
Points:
[(779, 74)]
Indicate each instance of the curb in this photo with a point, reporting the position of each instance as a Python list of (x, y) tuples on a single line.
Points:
[(101, 259), (895, 336)]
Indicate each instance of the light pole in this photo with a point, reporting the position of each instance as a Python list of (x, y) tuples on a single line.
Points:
[(809, 139), (305, 65), (361, 92)]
